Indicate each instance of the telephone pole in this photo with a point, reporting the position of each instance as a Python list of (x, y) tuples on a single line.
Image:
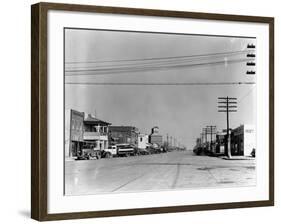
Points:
[(227, 105)]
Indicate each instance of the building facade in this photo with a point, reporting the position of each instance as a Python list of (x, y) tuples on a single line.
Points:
[(155, 137), (243, 140), (96, 132), (142, 141), (220, 145), (74, 132), (123, 135)]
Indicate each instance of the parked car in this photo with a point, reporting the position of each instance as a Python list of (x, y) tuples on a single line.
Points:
[(253, 153), (198, 150), (88, 151), (142, 151), (83, 156), (154, 150)]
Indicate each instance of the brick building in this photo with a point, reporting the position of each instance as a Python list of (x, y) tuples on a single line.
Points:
[(123, 134), (74, 132)]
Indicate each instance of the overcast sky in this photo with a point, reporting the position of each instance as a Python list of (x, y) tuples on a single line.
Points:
[(180, 111)]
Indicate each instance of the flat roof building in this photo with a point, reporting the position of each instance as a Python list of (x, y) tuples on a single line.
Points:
[(155, 137), (74, 132), (123, 134), (243, 140)]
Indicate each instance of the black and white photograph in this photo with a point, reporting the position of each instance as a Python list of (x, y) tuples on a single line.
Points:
[(148, 111)]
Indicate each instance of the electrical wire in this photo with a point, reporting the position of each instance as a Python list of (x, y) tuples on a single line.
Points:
[(247, 94), (145, 64), (110, 71), (178, 61), (161, 83), (163, 58)]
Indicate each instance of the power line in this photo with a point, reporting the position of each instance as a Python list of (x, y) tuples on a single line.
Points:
[(161, 84), (142, 69), (161, 58), (247, 94), (178, 61)]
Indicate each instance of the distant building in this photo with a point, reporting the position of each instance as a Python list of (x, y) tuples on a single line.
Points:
[(74, 132), (155, 137), (243, 140), (123, 134), (220, 143), (198, 141), (142, 141), (96, 132)]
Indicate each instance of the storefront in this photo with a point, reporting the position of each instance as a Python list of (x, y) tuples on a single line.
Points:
[(96, 132), (74, 132), (243, 140)]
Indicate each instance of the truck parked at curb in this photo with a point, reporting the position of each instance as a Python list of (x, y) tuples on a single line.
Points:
[(125, 150), (110, 152), (119, 150)]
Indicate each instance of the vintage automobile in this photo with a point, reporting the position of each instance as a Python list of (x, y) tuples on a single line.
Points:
[(141, 151), (154, 149), (198, 150), (88, 152), (125, 150), (109, 152)]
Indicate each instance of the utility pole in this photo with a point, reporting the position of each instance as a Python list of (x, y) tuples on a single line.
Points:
[(227, 105)]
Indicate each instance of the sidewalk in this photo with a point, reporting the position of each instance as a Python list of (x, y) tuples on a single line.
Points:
[(238, 158), (69, 159)]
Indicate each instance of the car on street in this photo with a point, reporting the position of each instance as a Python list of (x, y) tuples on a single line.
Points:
[(125, 150), (88, 152), (110, 152), (141, 151), (198, 150)]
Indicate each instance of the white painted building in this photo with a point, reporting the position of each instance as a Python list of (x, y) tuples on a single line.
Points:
[(142, 141), (243, 140)]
